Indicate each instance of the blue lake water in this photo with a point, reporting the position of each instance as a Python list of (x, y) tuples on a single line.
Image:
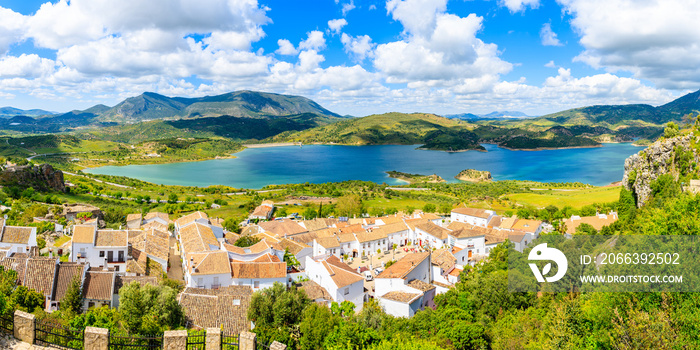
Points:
[(257, 167)]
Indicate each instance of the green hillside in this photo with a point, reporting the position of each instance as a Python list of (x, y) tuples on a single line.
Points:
[(252, 104), (432, 131)]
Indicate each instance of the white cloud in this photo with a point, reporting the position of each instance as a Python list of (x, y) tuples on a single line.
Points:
[(348, 7), (336, 25), (550, 64), (519, 5), (654, 40), (315, 41), (548, 36), (440, 49), (372, 7), (25, 66), (286, 47), (357, 47), (11, 25)]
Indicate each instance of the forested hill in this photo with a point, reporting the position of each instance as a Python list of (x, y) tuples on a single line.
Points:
[(252, 104)]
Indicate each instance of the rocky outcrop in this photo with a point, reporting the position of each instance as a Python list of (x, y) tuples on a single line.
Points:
[(659, 158), (40, 177), (472, 175)]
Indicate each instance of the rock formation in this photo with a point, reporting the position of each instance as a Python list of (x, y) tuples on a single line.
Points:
[(472, 175), (40, 177)]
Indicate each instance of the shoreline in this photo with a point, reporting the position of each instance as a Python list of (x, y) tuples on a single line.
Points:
[(547, 148)]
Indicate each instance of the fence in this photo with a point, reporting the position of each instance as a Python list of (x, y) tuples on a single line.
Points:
[(262, 345), (7, 323), (141, 342), (229, 342), (48, 333), (196, 339)]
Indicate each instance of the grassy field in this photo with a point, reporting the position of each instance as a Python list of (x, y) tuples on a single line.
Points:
[(575, 198)]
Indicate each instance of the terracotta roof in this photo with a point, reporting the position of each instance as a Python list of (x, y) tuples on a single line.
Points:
[(152, 242), (267, 237), (241, 269), (495, 221), (346, 237), (495, 239), (265, 258), (443, 285), (374, 235), (404, 266), (111, 238), (401, 297), (98, 285), (250, 230), (132, 217), (507, 223), (261, 211), (387, 220), (225, 308), (156, 214), (526, 225), (420, 285), (210, 263), (342, 274), (40, 275), (293, 247), (391, 228), (309, 237), (197, 238), (434, 230), (430, 216), (121, 281), (188, 219), (315, 224), (444, 259), (138, 262), (256, 248), (314, 291), (328, 242), (479, 213), (597, 221), (412, 223), (155, 225), (18, 264), (17, 234), (66, 272), (355, 228), (282, 227)]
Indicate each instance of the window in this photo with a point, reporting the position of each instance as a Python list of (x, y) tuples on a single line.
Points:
[(256, 284), (347, 291), (102, 253), (236, 302), (91, 304), (116, 268)]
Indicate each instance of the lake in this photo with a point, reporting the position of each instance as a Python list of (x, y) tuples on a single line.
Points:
[(257, 167)]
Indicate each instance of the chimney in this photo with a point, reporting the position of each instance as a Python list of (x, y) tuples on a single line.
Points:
[(50, 252), (105, 268), (191, 265)]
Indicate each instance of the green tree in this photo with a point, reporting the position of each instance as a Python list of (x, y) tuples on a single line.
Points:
[(316, 322), (671, 130), (310, 213), (72, 301), (429, 208), (246, 241), (172, 198), (27, 299), (445, 208), (348, 206)]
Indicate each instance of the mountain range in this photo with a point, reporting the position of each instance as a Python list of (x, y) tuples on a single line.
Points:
[(490, 116), (12, 112)]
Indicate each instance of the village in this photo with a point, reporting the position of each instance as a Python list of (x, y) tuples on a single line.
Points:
[(401, 260)]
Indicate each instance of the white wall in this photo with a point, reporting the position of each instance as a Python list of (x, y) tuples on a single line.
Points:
[(206, 281), (262, 283), (473, 220), (398, 238), (317, 273)]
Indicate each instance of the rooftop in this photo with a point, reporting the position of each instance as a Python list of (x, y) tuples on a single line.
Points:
[(479, 213), (224, 308), (111, 238), (402, 297), (98, 285), (16, 234), (403, 267)]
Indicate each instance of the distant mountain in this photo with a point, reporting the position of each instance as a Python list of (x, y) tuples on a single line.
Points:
[(11, 112), (683, 105), (490, 116), (251, 104)]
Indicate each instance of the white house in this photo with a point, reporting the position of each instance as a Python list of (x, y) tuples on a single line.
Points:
[(198, 216), (208, 270), (348, 244), (299, 250), (397, 233), (431, 235), (326, 246), (404, 287), (262, 273), (99, 248), (473, 216), (339, 279), (153, 243), (533, 227), (17, 239), (370, 242), (442, 262)]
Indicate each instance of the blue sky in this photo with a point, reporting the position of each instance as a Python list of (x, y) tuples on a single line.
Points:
[(354, 57)]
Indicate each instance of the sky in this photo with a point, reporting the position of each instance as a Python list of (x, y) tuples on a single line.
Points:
[(354, 57)]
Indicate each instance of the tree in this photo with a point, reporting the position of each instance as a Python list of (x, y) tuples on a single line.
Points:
[(149, 309), (27, 299), (310, 213), (246, 241), (315, 324), (445, 208), (275, 311), (348, 206), (410, 210), (73, 299), (671, 130), (232, 224), (172, 198), (429, 208)]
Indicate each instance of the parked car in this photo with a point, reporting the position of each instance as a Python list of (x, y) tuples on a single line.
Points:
[(378, 270), (368, 275)]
